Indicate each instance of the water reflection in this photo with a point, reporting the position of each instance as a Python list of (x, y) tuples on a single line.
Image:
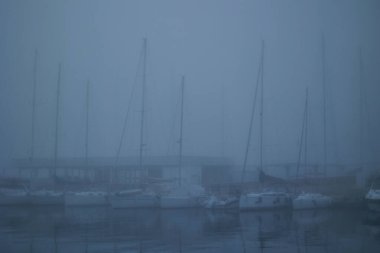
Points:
[(101, 229), (264, 230)]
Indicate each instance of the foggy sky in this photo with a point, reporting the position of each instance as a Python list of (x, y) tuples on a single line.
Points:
[(216, 45)]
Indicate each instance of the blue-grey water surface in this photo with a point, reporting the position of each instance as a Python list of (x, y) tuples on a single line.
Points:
[(103, 229)]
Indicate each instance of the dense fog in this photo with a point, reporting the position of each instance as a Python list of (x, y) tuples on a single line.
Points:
[(216, 45)]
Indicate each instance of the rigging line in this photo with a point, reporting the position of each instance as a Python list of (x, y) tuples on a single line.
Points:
[(251, 122), (366, 116), (262, 106), (306, 126), (142, 118), (171, 133), (128, 109), (323, 47), (302, 137), (57, 119), (223, 116), (34, 102), (87, 126), (181, 130), (361, 108)]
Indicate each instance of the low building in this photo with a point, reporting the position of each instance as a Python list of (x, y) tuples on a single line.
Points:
[(201, 170)]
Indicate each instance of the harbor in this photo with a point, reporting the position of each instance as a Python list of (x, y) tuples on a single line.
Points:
[(195, 126), (102, 229)]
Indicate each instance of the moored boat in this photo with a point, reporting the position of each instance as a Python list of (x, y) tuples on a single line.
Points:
[(86, 199), (14, 197), (134, 199), (264, 200), (185, 196), (372, 197), (178, 201), (312, 201), (260, 199), (43, 197), (215, 202)]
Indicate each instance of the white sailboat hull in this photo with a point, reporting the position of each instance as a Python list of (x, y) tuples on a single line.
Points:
[(178, 202), (259, 201), (47, 199), (217, 203), (86, 199), (312, 201), (372, 199), (136, 201)]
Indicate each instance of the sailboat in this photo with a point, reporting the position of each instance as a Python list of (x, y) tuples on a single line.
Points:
[(372, 197), (185, 195), (312, 201), (134, 198), (220, 202), (316, 200), (42, 196), (22, 196), (14, 197), (46, 197), (307, 200), (138, 197), (86, 198), (260, 199)]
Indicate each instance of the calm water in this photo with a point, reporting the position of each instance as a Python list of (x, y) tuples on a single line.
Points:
[(25, 229)]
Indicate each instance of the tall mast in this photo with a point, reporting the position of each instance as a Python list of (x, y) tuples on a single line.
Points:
[(303, 133), (34, 102), (361, 83), (223, 138), (142, 107), (259, 73), (306, 124), (87, 121), (57, 119), (181, 132), (303, 144), (324, 104), (262, 106)]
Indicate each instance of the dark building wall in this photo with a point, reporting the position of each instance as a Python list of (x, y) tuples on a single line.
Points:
[(214, 175)]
